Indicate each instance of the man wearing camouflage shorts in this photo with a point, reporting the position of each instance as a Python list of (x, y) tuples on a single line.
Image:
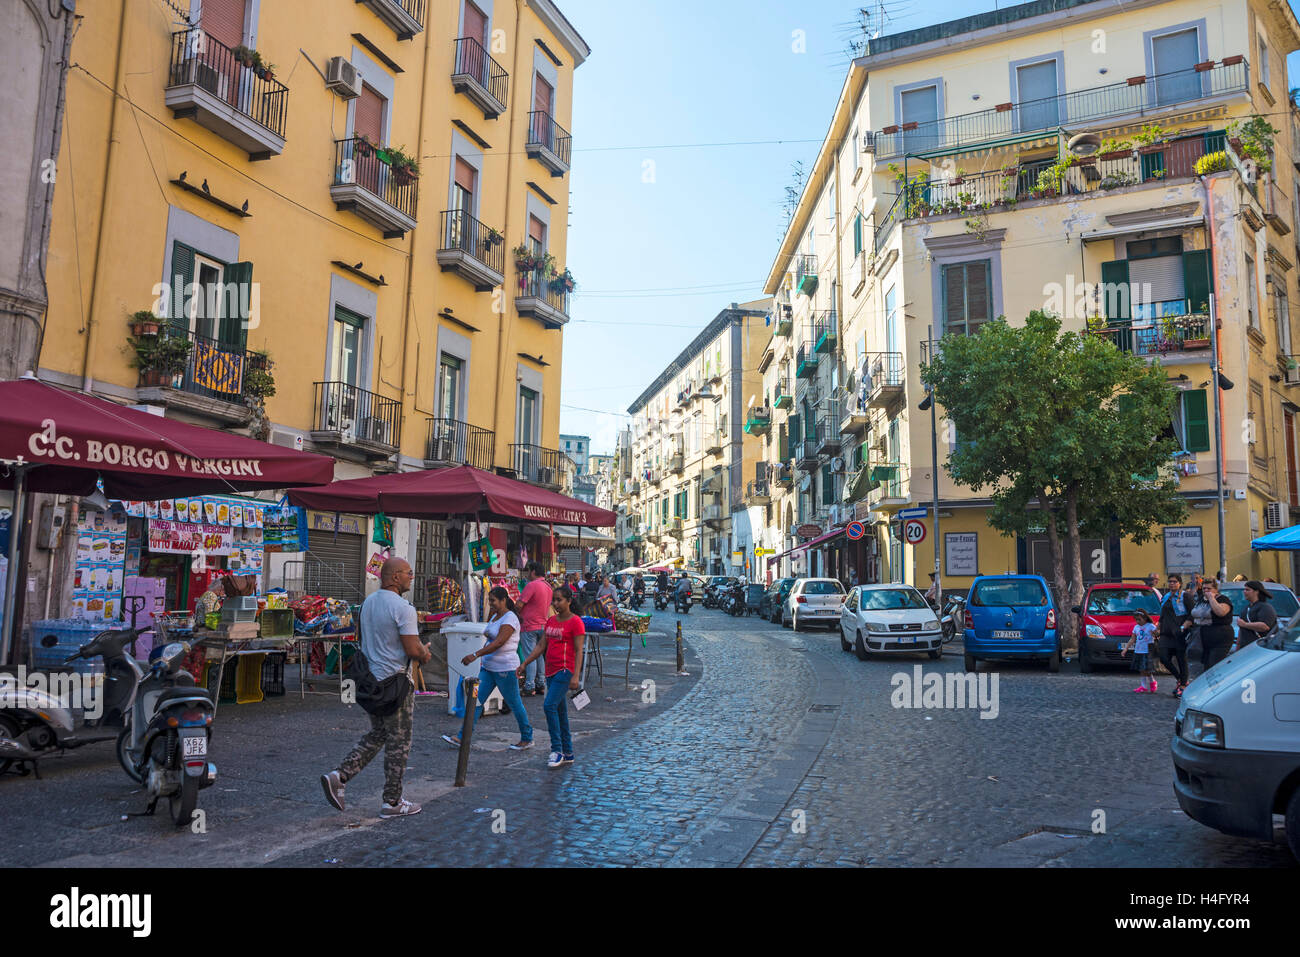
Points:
[(390, 637)]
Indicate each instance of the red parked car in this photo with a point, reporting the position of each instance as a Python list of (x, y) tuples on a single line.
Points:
[(1106, 620)]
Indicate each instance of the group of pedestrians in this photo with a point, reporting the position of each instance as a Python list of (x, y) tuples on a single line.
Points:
[(530, 647), (1195, 613)]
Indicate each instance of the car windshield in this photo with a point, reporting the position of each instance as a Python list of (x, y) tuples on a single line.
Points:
[(1123, 601), (823, 588), (891, 598), (1283, 602), (1010, 591)]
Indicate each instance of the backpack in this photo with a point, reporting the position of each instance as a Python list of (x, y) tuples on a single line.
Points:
[(379, 698)]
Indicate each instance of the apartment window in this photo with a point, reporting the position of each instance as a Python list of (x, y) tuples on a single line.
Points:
[(853, 150), (891, 321), (345, 359), (1191, 422), (1252, 293), (920, 105), (967, 296), (1259, 447), (450, 369), (536, 234), (828, 486), (1264, 74), (1173, 55), (527, 426), (1283, 317), (224, 21), (857, 234), (1036, 84)]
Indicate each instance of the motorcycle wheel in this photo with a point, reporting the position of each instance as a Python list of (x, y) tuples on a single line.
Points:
[(8, 728), (184, 801), (123, 755)]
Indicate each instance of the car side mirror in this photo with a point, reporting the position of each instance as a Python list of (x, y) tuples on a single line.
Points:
[(1077, 609)]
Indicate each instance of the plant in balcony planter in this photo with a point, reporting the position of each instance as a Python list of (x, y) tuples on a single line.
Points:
[(143, 323), (494, 238), (258, 383), (1253, 139), (160, 359), (1113, 149), (1150, 139), (266, 71), (563, 283), (364, 145), (406, 169), (243, 55)]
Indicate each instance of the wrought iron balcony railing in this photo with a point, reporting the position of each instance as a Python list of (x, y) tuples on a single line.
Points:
[(200, 61), (1181, 332), (357, 415), (462, 233), (474, 64), (549, 142), (212, 369), (452, 442), (1139, 96), (533, 463), (357, 162)]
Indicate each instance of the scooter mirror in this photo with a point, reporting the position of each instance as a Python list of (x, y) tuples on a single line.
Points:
[(49, 641)]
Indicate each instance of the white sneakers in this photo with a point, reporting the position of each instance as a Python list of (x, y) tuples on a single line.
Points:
[(402, 808)]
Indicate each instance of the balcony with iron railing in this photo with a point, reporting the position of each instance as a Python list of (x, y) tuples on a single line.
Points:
[(884, 380), (368, 183), (1001, 190), (783, 474), (806, 278), (825, 331), (1177, 332), (784, 325), (828, 429), (889, 483), (715, 442), (1136, 98), (783, 393), (472, 250), (548, 142), (479, 77), (235, 98), (207, 378), (713, 514), (404, 17), (855, 418), (544, 297), (805, 363), (538, 465), (347, 416), (805, 449), (757, 493), (452, 442), (758, 420)]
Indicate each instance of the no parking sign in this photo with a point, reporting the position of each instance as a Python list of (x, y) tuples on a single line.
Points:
[(914, 531), (855, 531)]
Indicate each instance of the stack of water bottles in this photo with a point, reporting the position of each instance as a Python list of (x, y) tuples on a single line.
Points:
[(70, 635)]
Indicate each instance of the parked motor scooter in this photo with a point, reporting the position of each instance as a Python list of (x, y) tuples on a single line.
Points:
[(36, 724), (165, 744), (954, 617), (736, 601)]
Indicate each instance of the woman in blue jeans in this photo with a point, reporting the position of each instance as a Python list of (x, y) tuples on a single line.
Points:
[(499, 661), (561, 643)]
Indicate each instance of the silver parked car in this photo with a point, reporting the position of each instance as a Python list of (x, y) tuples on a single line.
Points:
[(813, 601), (889, 619)]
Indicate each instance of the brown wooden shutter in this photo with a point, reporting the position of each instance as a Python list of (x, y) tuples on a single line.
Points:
[(223, 20), (369, 116), (542, 97), (476, 24), (465, 176), (537, 232)]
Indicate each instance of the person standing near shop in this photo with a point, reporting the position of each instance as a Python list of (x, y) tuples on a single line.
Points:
[(390, 638), (1260, 619), (1213, 616), (1172, 643), (562, 644), (500, 659), (211, 599), (535, 608)]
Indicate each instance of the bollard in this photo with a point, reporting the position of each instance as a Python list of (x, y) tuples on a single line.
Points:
[(466, 730), (681, 665)]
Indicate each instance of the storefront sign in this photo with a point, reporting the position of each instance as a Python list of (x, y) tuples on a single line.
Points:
[(760, 552), (325, 522), (1184, 549), (285, 529), (185, 537), (808, 531), (961, 553)]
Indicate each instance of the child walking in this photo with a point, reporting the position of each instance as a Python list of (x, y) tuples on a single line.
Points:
[(562, 645), (1144, 634)]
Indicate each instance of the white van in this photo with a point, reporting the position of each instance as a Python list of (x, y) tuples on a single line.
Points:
[(1236, 745)]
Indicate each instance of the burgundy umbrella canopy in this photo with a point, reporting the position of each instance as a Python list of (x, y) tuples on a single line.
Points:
[(440, 493), (67, 440)]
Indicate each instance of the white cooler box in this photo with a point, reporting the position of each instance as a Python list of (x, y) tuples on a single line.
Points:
[(465, 638)]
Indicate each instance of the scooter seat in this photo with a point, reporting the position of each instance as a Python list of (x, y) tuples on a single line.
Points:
[(183, 691)]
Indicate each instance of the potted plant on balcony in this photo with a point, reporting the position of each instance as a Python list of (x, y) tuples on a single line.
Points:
[(160, 359), (1114, 149), (1211, 163), (1253, 139), (1150, 139), (243, 55), (563, 283), (494, 238), (405, 167), (143, 323), (525, 259), (364, 145)]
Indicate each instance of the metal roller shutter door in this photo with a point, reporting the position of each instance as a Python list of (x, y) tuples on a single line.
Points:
[(347, 551)]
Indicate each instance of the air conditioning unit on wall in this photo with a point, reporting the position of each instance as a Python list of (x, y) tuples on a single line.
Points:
[(1277, 516), (342, 77)]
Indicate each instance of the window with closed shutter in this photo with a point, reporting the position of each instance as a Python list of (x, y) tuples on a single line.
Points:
[(223, 20), (967, 297), (1196, 421), (1158, 288)]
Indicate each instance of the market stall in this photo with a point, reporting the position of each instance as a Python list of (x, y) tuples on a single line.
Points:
[(57, 441)]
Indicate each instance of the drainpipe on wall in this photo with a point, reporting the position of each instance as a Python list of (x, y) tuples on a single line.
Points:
[(1214, 381), (109, 167)]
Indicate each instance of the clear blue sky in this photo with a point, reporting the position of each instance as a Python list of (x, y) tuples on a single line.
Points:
[(655, 261)]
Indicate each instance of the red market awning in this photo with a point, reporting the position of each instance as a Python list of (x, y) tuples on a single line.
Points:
[(441, 493), (821, 540), (68, 440)]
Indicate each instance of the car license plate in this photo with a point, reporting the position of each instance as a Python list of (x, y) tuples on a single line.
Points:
[(1008, 634), (906, 640), (196, 747)]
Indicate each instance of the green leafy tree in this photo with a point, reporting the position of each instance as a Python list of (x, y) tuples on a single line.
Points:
[(1069, 432)]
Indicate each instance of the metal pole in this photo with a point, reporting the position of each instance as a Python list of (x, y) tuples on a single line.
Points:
[(466, 729), (1218, 437), (16, 520), (681, 664), (934, 476)]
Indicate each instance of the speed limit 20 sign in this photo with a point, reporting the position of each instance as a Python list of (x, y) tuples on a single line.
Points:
[(913, 531)]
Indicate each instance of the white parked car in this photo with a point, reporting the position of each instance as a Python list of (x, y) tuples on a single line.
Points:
[(813, 601), (889, 619)]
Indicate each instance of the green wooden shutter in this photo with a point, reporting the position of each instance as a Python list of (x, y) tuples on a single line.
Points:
[(238, 281), (828, 486), (783, 443), (1115, 291), (857, 234), (795, 434), (1196, 279), (1196, 420), (179, 282)]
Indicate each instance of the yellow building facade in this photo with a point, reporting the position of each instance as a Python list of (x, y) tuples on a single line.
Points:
[(366, 201)]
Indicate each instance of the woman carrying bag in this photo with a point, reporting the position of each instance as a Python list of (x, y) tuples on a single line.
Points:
[(1212, 614)]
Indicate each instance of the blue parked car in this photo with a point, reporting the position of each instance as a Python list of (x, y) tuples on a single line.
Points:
[(1011, 616)]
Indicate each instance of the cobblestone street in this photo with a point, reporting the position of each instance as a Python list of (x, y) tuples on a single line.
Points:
[(779, 749)]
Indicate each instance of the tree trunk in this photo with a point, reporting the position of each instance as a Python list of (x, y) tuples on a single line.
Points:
[(1070, 640), (1058, 558)]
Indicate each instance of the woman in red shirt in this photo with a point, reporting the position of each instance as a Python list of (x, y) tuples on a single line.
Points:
[(562, 645)]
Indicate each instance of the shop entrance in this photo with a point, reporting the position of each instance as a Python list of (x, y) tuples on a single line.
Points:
[(336, 565)]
